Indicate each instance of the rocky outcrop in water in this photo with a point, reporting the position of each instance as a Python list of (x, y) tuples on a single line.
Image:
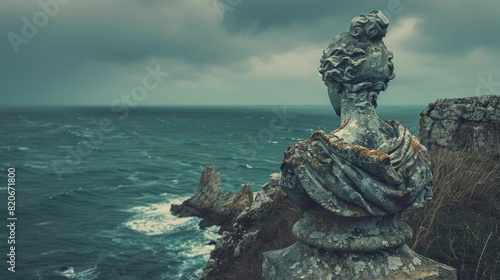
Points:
[(248, 227), (215, 206), (470, 123), (264, 226)]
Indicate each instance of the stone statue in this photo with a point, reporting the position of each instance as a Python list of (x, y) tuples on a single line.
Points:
[(355, 181), (367, 167)]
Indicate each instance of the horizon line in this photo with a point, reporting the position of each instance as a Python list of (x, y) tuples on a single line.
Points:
[(181, 105)]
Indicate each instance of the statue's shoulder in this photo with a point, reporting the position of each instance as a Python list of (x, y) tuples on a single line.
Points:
[(320, 143)]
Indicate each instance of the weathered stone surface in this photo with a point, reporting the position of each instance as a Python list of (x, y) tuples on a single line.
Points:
[(264, 203), (470, 123), (320, 229), (354, 181), (217, 207), (204, 198), (301, 261)]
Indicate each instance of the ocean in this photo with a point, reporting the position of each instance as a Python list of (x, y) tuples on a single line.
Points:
[(93, 187)]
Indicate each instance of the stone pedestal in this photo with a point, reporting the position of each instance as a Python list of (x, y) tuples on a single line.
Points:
[(301, 261), (334, 247), (322, 229)]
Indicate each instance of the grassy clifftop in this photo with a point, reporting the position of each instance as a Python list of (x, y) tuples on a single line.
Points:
[(461, 225)]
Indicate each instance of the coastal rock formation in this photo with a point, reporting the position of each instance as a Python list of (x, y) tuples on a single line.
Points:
[(215, 206), (265, 225), (249, 226), (470, 123)]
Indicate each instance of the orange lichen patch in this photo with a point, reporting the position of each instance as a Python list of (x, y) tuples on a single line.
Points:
[(340, 146), (367, 153), (335, 144), (414, 144)]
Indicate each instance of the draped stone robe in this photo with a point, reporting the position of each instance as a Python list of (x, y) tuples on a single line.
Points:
[(354, 181)]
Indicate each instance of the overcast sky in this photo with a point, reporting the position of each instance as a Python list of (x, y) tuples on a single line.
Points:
[(225, 52)]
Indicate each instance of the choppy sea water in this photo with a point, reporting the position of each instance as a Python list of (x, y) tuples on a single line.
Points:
[(94, 187)]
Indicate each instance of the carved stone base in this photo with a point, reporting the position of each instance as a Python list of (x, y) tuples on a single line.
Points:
[(301, 261), (322, 229)]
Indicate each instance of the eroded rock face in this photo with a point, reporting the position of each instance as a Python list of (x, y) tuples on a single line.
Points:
[(249, 226), (206, 196), (470, 123), (217, 207), (264, 226)]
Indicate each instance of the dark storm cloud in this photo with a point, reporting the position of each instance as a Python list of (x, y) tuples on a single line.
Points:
[(454, 27), (50, 59), (260, 15), (447, 26), (227, 51), (125, 31)]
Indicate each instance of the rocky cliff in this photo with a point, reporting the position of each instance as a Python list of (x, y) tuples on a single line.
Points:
[(470, 123), (248, 227), (265, 225), (215, 206)]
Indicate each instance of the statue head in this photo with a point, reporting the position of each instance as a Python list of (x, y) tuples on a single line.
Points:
[(357, 63)]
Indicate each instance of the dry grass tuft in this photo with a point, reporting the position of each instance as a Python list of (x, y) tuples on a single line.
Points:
[(461, 225)]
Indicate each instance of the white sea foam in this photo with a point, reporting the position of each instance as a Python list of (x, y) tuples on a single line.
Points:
[(201, 247), (203, 251), (156, 219)]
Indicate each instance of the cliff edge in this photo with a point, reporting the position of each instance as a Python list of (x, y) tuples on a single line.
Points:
[(470, 123)]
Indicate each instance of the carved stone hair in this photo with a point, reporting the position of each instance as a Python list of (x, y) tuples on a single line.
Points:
[(341, 63)]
